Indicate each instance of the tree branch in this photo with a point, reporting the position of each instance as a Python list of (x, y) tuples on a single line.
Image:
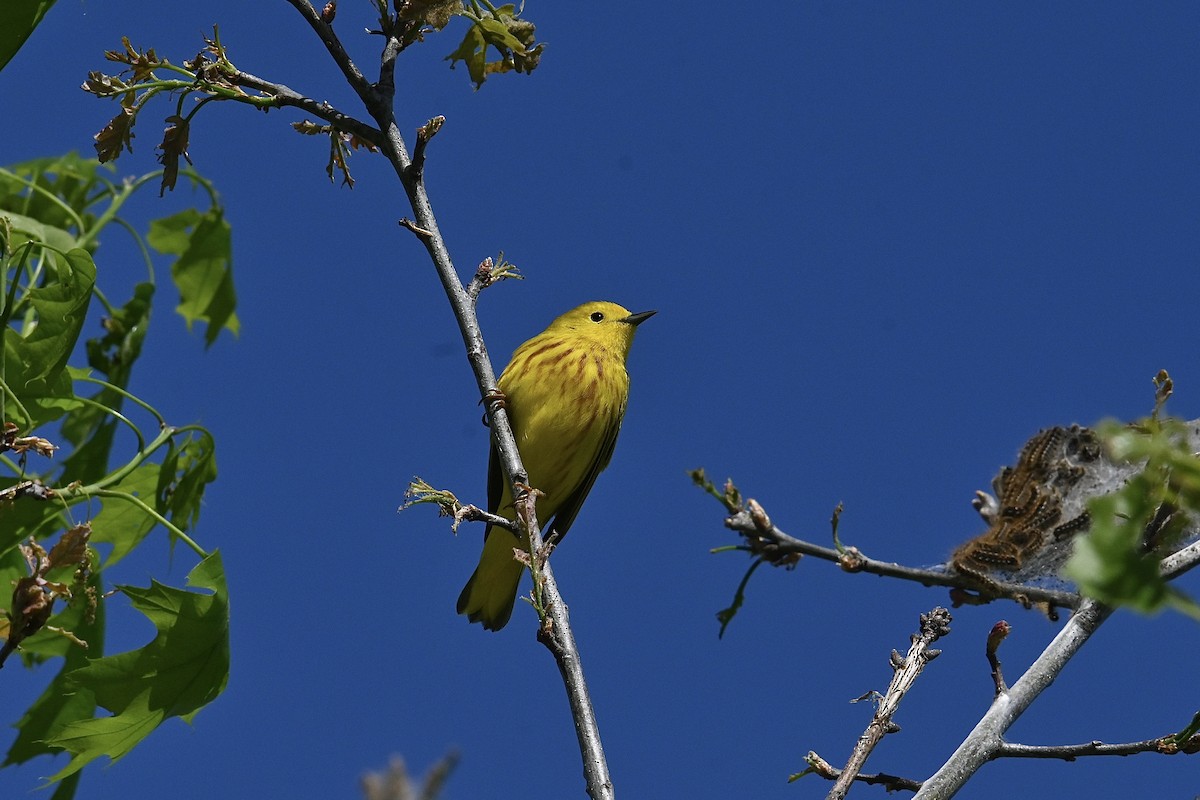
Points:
[(1070, 752), (286, 96), (934, 625), (1181, 561), (853, 561), (986, 739), (556, 631), (893, 783), (325, 33), (986, 742)]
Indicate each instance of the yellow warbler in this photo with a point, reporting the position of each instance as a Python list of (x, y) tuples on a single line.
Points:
[(565, 392)]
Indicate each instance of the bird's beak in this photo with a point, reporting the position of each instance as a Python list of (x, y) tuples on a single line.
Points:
[(638, 318)]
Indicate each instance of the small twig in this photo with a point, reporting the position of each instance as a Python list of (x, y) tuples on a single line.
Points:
[(481, 280), (934, 625), (834, 519), (471, 513), (1070, 752), (325, 32), (416, 169), (417, 229), (998, 634), (419, 493), (893, 783), (489, 272), (30, 488)]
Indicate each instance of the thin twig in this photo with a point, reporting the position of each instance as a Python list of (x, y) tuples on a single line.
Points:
[(857, 562), (893, 783), (415, 228), (1070, 752), (27, 488), (325, 32), (424, 134), (286, 96), (934, 625), (472, 513), (997, 635)]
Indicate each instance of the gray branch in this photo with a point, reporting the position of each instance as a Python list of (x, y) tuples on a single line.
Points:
[(285, 96), (986, 741), (1069, 752), (379, 99), (853, 561), (934, 625)]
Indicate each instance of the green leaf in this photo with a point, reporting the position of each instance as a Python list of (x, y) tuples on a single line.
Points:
[(174, 488), (114, 353), (1107, 563), (203, 270), (61, 306), (183, 669), (726, 615), (88, 462), (472, 51), (38, 231), (91, 427), (73, 180), (498, 28), (61, 205), (186, 471), (113, 736), (43, 401), (1112, 562), (18, 18), (67, 787), (34, 364), (121, 523)]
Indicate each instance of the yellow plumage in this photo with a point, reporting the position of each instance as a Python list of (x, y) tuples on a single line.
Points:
[(565, 392)]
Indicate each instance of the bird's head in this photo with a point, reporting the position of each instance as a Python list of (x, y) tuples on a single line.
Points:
[(603, 323)]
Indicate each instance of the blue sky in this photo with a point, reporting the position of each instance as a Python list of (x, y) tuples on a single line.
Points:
[(887, 243)]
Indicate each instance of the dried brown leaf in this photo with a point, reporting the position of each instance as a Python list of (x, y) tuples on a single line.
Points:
[(71, 549), (173, 146), (116, 136)]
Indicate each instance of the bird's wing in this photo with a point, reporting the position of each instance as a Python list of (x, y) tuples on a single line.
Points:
[(570, 507), (495, 487)]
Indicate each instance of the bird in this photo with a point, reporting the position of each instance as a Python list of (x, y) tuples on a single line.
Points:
[(565, 392)]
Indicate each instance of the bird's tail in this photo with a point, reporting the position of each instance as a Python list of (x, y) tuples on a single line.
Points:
[(489, 595)]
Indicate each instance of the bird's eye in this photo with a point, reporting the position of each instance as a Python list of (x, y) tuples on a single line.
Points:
[(596, 316)]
